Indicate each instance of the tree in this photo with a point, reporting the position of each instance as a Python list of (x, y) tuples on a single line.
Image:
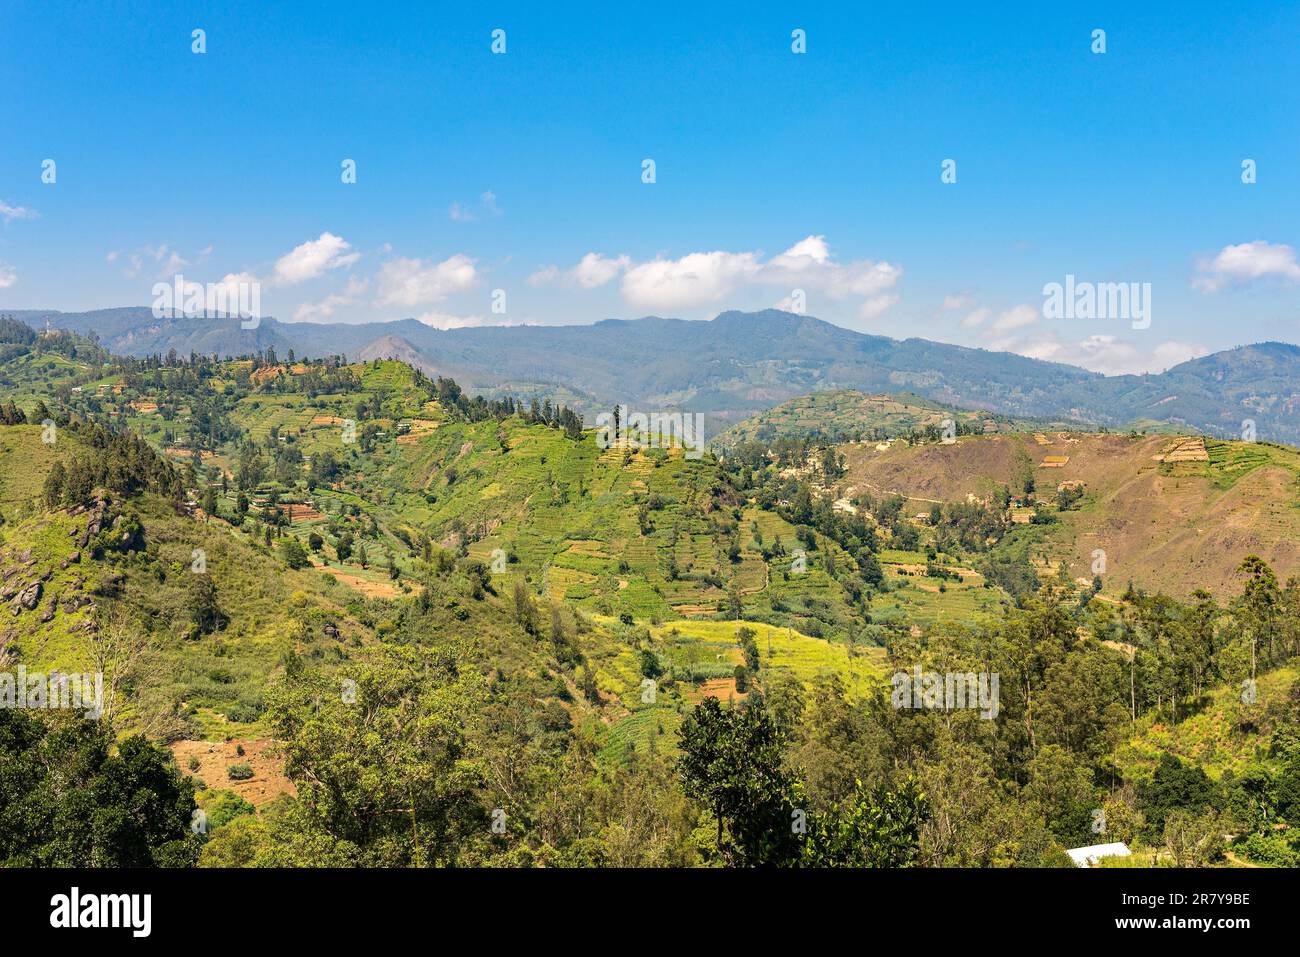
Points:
[(210, 504), (52, 491), (735, 603), (118, 648), (405, 797), (650, 666), (880, 828), (73, 796), (832, 467), (749, 648), (480, 580), (204, 610), (343, 546), (872, 573), (1175, 786), (732, 763), (1258, 606), (1194, 840), (292, 552), (1061, 788), (525, 608)]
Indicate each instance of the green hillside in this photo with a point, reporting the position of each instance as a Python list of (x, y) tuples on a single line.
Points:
[(841, 415), (342, 593)]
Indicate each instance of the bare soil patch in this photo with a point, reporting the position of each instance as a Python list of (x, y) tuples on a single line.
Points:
[(267, 783)]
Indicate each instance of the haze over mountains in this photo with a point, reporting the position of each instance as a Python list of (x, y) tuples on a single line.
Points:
[(741, 363)]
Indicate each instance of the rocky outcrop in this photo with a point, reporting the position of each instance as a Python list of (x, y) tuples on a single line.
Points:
[(28, 597), (97, 516)]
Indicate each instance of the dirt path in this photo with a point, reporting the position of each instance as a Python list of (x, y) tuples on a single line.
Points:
[(911, 498)]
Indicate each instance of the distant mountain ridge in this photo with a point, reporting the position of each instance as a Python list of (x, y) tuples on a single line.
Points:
[(739, 364)]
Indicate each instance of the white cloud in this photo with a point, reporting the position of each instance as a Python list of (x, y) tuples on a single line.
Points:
[(168, 261), (442, 320), (808, 265), (694, 279), (702, 278), (234, 280), (1107, 354), (313, 259), (413, 282), (809, 251), (1245, 263), (959, 300), (137, 260), (9, 213), (312, 311), (976, 318), (463, 214), (1169, 354), (175, 263), (1017, 317), (547, 275), (592, 270), (7, 276), (876, 306)]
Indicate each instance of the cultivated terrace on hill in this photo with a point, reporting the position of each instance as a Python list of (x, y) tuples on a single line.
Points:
[(358, 617), (844, 415), (739, 364)]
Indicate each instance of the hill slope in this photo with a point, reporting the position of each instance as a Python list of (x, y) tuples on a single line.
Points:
[(840, 414), (1169, 513), (741, 363)]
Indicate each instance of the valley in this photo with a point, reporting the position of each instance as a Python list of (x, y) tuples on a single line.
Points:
[(250, 546)]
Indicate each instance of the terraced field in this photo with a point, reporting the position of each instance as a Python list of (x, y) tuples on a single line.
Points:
[(1174, 525), (700, 657), (838, 414)]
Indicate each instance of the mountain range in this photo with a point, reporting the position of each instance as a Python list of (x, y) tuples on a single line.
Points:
[(738, 364)]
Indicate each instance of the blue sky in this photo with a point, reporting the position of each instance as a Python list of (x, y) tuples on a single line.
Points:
[(774, 171)]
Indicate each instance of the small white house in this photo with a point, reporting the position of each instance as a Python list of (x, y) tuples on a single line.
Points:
[(1088, 856)]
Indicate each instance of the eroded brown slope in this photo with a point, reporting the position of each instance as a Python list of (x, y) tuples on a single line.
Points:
[(1175, 526)]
